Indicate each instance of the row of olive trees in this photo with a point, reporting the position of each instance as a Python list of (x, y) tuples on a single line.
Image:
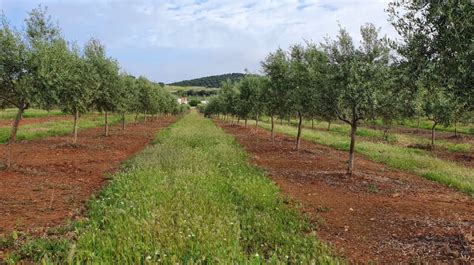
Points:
[(333, 81), (40, 68), (339, 80)]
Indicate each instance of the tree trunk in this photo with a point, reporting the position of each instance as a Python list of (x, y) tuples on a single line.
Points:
[(350, 166), (433, 135), (455, 129), (273, 128), (418, 124), (256, 122), (385, 132), (298, 136), (12, 139), (144, 116), (289, 121), (123, 121), (329, 126), (136, 117), (76, 121), (245, 123), (106, 120), (312, 123), (281, 121)]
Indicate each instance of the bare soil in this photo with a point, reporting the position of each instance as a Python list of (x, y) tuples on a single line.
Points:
[(377, 215), (52, 180)]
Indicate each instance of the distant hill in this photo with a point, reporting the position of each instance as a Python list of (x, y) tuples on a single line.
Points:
[(209, 81)]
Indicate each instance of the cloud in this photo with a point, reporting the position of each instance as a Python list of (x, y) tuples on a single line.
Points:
[(182, 39)]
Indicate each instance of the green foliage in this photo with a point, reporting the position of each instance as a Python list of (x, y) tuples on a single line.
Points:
[(194, 102), (105, 78), (210, 81)]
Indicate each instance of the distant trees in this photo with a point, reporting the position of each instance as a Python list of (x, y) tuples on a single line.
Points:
[(210, 81), (39, 67)]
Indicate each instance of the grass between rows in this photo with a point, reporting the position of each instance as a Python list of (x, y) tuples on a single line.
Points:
[(29, 113), (415, 161), (192, 197), (60, 127), (392, 138)]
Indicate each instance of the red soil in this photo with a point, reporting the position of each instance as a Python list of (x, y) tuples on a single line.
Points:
[(379, 214), (51, 180)]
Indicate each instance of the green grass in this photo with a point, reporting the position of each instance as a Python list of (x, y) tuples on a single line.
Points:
[(55, 128), (426, 124), (415, 161), (191, 198), (392, 138), (29, 113)]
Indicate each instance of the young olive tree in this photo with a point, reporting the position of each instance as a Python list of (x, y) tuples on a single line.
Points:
[(106, 79), (127, 96), (276, 67), (360, 78), (77, 90), (249, 97), (301, 96), (15, 77), (19, 74), (230, 98), (323, 95)]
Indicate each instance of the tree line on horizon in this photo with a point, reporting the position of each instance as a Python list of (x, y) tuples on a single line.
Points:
[(213, 81), (428, 74), (40, 68)]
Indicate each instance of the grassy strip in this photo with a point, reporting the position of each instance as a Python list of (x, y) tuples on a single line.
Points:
[(29, 113), (55, 128), (393, 138), (190, 198), (426, 124), (416, 161)]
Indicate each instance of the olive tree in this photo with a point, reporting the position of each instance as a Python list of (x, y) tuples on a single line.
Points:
[(105, 75), (360, 78), (301, 96), (19, 71), (127, 96), (76, 91), (276, 67), (249, 101)]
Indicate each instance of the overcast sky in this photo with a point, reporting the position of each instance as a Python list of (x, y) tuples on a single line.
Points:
[(182, 39)]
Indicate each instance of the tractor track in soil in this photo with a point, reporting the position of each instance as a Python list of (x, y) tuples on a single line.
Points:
[(379, 214)]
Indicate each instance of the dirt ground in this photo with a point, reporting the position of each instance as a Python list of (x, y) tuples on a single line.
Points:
[(26, 121), (379, 214), (52, 180)]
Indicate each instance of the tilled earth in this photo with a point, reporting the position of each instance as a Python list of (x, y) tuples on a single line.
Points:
[(378, 215), (52, 180)]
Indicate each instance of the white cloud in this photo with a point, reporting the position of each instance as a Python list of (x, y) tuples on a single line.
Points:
[(179, 39)]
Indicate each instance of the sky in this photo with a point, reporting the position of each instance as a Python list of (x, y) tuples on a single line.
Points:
[(175, 40)]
